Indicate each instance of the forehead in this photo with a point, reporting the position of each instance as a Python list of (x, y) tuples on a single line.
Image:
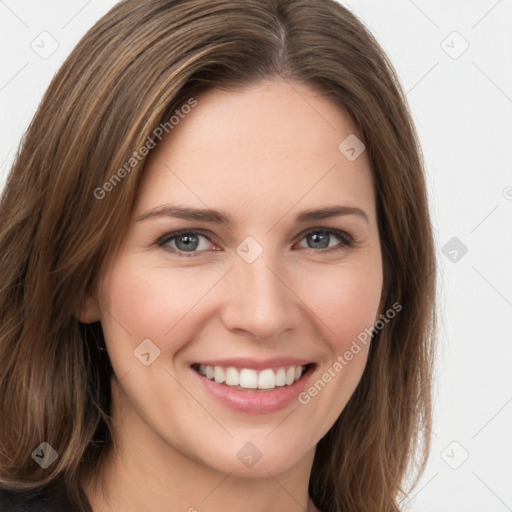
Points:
[(266, 146)]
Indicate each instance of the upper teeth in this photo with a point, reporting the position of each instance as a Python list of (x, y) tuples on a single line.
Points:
[(251, 379)]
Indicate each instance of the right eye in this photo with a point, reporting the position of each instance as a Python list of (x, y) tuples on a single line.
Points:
[(183, 242)]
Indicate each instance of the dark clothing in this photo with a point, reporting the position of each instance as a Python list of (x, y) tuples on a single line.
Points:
[(44, 500)]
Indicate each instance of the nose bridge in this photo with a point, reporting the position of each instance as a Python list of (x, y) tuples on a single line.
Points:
[(258, 301)]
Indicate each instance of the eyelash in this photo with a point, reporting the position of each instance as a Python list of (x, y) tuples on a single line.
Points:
[(347, 240)]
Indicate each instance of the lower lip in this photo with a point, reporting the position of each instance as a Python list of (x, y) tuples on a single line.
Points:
[(256, 401)]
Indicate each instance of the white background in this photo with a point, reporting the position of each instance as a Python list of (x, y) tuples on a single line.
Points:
[(462, 106)]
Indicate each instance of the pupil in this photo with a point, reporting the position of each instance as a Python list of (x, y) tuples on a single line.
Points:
[(321, 239), (189, 241)]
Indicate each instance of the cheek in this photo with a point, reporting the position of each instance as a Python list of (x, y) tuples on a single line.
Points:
[(345, 299), (152, 303), (158, 303)]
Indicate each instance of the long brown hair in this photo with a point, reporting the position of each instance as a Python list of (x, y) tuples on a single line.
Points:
[(126, 77)]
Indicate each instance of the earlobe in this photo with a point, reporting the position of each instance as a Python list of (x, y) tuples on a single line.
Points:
[(90, 311)]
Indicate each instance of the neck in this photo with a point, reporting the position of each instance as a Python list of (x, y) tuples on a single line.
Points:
[(132, 484), (153, 475)]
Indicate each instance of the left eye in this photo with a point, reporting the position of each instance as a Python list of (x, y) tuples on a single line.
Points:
[(320, 238), (182, 242)]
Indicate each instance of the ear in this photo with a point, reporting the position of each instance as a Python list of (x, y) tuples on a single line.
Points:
[(90, 311)]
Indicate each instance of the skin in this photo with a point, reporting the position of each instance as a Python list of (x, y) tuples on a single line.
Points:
[(262, 155)]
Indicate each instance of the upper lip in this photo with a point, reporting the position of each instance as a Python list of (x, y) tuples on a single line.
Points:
[(255, 364)]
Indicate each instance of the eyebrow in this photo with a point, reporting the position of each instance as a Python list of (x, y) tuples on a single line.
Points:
[(219, 217)]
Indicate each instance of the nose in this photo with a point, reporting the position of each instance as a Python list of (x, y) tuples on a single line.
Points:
[(260, 300)]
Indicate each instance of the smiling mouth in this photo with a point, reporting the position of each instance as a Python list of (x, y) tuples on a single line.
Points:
[(249, 379)]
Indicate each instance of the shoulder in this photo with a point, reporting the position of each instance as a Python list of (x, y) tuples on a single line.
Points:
[(44, 500)]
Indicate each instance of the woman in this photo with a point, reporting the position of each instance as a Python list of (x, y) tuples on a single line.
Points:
[(218, 269)]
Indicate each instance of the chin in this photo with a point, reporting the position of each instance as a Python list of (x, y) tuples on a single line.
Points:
[(256, 459)]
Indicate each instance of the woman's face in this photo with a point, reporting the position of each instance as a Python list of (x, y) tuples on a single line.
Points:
[(266, 293)]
